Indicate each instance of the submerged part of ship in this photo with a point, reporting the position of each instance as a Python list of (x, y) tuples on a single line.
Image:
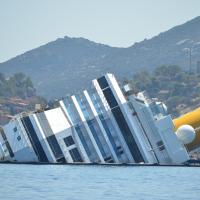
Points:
[(105, 124)]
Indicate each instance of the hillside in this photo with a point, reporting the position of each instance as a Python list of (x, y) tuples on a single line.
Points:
[(69, 64), (17, 94)]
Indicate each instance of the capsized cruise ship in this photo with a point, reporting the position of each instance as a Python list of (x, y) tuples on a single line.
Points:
[(105, 124)]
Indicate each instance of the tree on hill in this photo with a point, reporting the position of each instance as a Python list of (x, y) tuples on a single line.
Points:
[(170, 84), (16, 85), (20, 86)]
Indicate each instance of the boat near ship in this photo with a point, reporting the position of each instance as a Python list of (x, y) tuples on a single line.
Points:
[(105, 124)]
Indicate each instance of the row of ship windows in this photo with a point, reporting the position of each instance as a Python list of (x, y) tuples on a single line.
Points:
[(15, 130)]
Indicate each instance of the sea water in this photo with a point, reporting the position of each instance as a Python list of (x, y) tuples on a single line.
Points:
[(69, 182)]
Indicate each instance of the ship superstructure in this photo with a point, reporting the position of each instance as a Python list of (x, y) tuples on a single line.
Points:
[(99, 125)]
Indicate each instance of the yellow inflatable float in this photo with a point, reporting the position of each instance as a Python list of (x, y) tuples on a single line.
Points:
[(193, 119)]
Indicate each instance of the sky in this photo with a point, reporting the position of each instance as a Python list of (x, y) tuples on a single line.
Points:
[(27, 24)]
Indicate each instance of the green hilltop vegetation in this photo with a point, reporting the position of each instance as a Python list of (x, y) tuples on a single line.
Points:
[(17, 94), (178, 89), (16, 85)]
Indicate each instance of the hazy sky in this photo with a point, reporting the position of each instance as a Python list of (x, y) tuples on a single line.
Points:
[(26, 24)]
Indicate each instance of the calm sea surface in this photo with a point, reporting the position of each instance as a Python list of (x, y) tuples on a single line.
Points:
[(66, 182)]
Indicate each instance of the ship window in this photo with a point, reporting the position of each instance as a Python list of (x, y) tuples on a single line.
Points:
[(102, 82), (15, 129), (53, 143), (162, 148), (69, 141), (120, 150), (160, 143), (108, 159), (76, 157), (110, 98), (19, 138)]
